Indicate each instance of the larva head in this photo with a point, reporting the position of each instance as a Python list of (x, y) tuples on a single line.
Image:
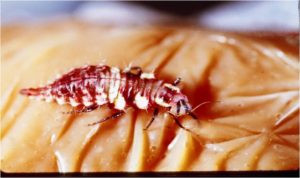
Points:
[(180, 105), (173, 99)]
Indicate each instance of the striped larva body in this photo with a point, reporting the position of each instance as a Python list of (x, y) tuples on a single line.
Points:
[(87, 88)]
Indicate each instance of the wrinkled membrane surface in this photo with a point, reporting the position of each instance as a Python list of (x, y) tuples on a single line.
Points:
[(254, 126)]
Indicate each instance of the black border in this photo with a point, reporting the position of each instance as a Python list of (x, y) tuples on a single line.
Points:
[(294, 173)]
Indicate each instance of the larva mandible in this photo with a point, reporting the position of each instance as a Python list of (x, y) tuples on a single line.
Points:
[(87, 88)]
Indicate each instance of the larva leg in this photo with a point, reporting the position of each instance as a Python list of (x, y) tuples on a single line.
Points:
[(115, 115), (177, 81), (69, 112), (155, 113), (179, 124), (75, 110), (82, 110), (89, 109)]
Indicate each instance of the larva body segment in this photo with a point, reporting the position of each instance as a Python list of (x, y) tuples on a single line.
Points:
[(95, 85)]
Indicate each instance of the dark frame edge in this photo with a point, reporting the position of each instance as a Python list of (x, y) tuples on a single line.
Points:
[(292, 173)]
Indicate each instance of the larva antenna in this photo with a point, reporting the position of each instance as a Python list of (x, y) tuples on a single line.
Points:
[(204, 103), (199, 105), (191, 113)]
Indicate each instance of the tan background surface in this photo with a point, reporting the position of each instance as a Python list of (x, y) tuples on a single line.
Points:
[(255, 127)]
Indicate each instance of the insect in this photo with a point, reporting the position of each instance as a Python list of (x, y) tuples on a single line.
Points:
[(90, 87)]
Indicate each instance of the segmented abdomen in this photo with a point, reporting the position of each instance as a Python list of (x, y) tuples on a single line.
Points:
[(99, 85), (81, 86)]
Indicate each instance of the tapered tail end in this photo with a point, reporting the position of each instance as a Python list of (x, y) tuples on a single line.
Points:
[(30, 91)]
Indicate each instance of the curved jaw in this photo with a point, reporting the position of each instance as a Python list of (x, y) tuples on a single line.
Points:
[(192, 115)]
